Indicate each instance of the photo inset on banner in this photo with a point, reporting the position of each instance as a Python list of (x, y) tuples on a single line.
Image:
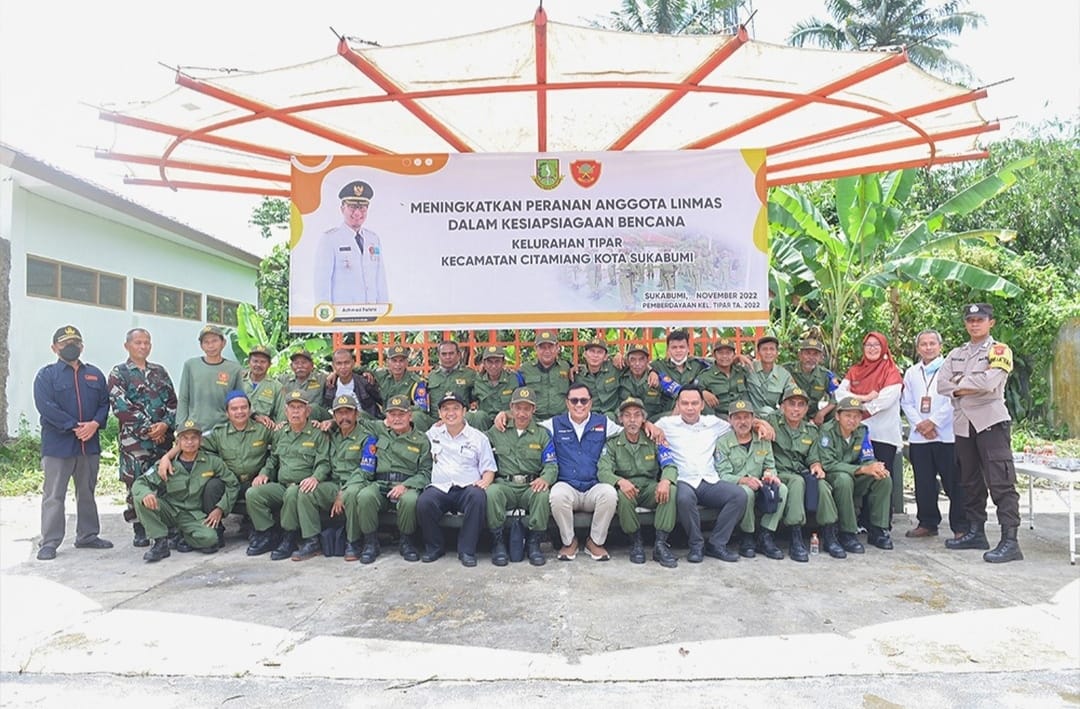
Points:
[(349, 263)]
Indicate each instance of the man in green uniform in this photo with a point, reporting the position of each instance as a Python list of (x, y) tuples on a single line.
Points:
[(402, 469), (299, 460), (644, 474), (601, 376), (307, 380), (667, 277), (205, 381), (492, 388), (450, 375), (263, 392), (678, 369), (176, 500), (525, 458), (818, 382), (634, 382), (798, 465), (725, 380), (549, 376), (848, 459), (743, 457), (767, 381), (395, 379)]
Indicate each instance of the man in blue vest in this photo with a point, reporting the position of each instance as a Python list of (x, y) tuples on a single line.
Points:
[(579, 437)]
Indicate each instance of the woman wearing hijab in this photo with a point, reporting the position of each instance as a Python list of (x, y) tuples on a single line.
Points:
[(876, 381)]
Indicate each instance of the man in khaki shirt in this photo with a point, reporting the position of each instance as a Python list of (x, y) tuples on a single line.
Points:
[(974, 377)]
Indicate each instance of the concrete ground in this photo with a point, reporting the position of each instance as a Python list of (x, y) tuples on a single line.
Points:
[(884, 629)]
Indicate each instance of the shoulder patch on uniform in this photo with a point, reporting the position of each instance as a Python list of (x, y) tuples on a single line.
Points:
[(1000, 357)]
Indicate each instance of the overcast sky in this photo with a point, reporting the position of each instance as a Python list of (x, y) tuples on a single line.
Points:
[(55, 57)]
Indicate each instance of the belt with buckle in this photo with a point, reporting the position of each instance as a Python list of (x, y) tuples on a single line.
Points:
[(390, 477), (522, 479)]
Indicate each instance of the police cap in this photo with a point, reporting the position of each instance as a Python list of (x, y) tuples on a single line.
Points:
[(358, 192)]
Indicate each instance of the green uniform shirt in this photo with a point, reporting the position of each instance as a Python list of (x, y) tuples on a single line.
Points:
[(460, 379), (604, 385), (400, 459), (530, 453), (624, 459), (725, 387), (243, 450), (390, 387), (767, 388), (346, 452), (266, 397), (311, 388), (818, 383), (493, 397), (839, 455), (795, 449), (201, 394), (671, 379), (550, 385), (184, 488), (295, 456), (742, 462), (640, 389)]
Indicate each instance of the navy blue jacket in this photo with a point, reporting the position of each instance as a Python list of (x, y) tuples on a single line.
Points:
[(577, 459), (65, 396)]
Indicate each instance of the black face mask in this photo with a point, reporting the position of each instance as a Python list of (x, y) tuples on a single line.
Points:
[(70, 353)]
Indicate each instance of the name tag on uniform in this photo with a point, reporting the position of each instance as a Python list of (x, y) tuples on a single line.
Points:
[(256, 444), (208, 474), (924, 405), (414, 449), (354, 448), (344, 248), (308, 444)]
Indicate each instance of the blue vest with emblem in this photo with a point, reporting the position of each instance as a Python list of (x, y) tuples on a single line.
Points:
[(577, 459)]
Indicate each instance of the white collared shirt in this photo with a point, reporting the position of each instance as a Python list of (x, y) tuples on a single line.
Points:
[(459, 460), (693, 445), (917, 384)]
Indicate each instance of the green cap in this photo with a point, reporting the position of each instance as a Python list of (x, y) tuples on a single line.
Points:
[(812, 343), (295, 395), (631, 401), (211, 330), (345, 401), (739, 406), (792, 392), (598, 342), (523, 395), (637, 348), (493, 351), (187, 426), (849, 403), (397, 351), (546, 336), (397, 403), (261, 350), (725, 343)]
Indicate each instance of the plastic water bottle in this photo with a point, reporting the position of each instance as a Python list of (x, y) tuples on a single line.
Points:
[(814, 544)]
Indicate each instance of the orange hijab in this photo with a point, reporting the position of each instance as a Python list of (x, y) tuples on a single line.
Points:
[(867, 376)]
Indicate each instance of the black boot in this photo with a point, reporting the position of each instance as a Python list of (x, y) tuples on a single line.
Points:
[(308, 550), (408, 548), (287, 546), (1008, 549), (498, 548), (879, 537), (371, 550), (261, 542), (140, 539), (637, 548), (746, 545), (661, 551), (352, 550), (797, 550), (767, 546), (830, 543), (159, 551), (532, 548), (850, 543), (974, 538), (221, 536)]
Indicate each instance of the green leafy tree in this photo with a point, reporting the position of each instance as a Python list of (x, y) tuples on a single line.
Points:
[(674, 16), (923, 28)]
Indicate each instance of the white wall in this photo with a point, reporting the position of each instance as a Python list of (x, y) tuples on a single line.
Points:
[(44, 228)]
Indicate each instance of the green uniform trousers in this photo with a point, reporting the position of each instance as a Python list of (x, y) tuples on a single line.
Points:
[(626, 509), (503, 495), (847, 488), (770, 521), (190, 523), (298, 510), (364, 503), (795, 512)]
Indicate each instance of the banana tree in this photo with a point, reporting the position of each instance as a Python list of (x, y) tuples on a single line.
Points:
[(838, 268)]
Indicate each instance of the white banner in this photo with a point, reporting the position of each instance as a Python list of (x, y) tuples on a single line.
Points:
[(477, 241)]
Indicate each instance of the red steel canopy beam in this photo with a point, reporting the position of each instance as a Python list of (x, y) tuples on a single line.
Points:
[(718, 57), (540, 30), (165, 128), (844, 82), (174, 184), (193, 166), (316, 129), (392, 89), (884, 167)]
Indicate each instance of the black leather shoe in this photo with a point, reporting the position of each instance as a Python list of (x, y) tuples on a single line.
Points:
[(974, 538), (722, 553), (408, 549), (767, 546), (746, 546), (183, 547), (637, 549), (46, 553), (880, 538), (95, 543), (159, 551), (212, 549), (261, 542), (499, 556), (532, 549), (308, 550), (286, 547), (352, 551), (850, 544), (370, 551), (221, 535), (140, 539), (696, 554), (797, 549), (431, 555), (468, 560), (661, 552)]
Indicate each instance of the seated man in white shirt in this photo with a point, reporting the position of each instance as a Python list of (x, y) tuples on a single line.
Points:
[(463, 467), (692, 439)]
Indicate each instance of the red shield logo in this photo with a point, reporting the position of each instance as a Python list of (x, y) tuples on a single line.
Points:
[(585, 172)]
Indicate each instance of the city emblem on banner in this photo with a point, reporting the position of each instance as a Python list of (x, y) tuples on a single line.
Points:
[(547, 175), (585, 172)]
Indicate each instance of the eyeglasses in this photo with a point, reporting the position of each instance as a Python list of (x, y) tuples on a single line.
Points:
[(578, 401), (872, 345)]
